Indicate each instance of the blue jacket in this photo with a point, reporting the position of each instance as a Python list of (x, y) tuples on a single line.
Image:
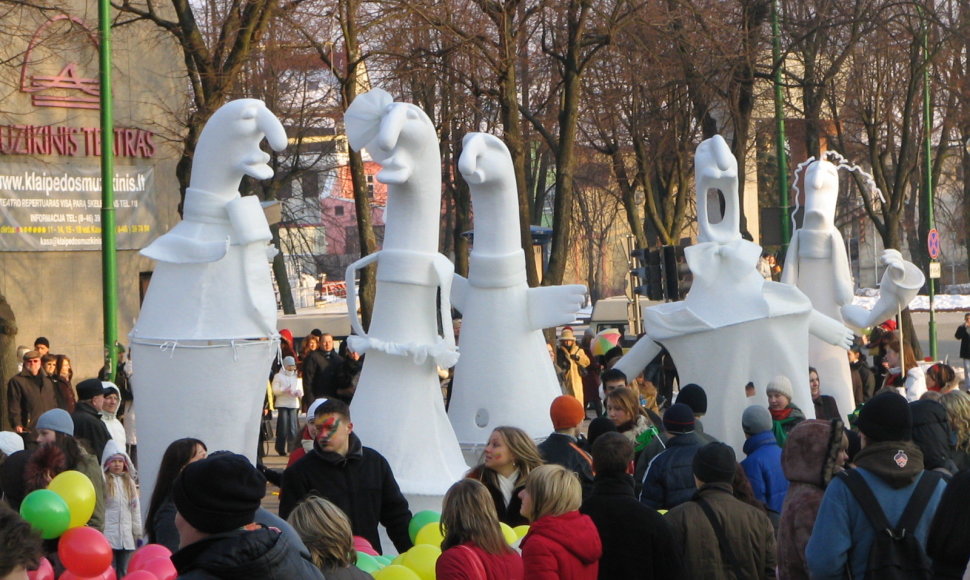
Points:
[(763, 468), (842, 534), (669, 481)]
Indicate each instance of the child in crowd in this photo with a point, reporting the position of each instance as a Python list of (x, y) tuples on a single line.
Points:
[(122, 515)]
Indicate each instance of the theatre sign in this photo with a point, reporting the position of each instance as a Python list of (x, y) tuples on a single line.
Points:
[(50, 181)]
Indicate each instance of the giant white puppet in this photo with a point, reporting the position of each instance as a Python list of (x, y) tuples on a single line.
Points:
[(733, 327), (505, 375), (818, 265), (398, 408), (206, 336)]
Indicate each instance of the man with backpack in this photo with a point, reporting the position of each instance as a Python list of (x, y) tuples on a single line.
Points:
[(874, 519)]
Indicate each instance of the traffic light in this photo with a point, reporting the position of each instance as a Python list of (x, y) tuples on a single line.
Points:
[(648, 273), (677, 275)]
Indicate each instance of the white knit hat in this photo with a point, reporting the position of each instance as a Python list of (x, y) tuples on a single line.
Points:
[(781, 385)]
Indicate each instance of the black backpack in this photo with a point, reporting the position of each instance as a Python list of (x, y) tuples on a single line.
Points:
[(896, 551)]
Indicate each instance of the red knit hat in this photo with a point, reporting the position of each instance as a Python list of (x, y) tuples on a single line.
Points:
[(566, 412)]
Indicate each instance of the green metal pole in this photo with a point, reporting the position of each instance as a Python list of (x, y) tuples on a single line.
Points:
[(928, 169), (780, 129), (109, 264)]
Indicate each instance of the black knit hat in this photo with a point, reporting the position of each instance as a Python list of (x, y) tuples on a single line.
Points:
[(886, 417), (694, 397), (679, 418), (89, 389), (219, 493), (597, 427), (715, 463)]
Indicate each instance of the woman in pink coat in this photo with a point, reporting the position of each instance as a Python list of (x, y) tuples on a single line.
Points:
[(562, 544), (474, 547)]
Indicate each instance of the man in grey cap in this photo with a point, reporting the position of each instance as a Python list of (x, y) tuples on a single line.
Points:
[(30, 393)]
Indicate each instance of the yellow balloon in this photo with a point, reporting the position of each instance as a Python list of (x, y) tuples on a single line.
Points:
[(510, 536), (661, 512), (421, 560), (398, 561), (429, 534), (521, 531), (395, 572), (77, 491)]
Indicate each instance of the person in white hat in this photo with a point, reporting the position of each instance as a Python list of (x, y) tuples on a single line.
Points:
[(287, 393), (573, 360)]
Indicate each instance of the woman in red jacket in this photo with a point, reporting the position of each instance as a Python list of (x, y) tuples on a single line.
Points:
[(474, 547), (562, 544)]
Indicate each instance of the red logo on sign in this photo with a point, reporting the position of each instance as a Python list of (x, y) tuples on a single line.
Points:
[(67, 89)]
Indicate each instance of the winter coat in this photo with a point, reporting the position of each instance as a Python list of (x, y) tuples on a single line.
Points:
[(287, 390), (243, 554), (507, 514), (636, 539), (29, 397), (763, 468), (573, 361), (863, 382), (782, 427), (12, 479), (844, 535), (115, 429), (89, 427), (349, 573), (163, 527), (563, 450), (341, 378), (964, 337), (64, 393), (747, 529), (564, 547), (809, 463), (912, 385), (670, 476), (933, 434), (122, 514), (456, 563), (826, 408), (315, 379), (360, 483)]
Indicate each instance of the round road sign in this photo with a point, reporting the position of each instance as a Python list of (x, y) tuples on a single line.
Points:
[(933, 243)]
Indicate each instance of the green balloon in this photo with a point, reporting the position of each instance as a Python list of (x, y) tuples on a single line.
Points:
[(47, 512), (420, 520), (383, 560), (367, 563)]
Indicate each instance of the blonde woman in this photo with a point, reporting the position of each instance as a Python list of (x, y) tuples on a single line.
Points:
[(326, 531), (474, 547), (509, 456), (623, 408), (957, 405), (562, 544)]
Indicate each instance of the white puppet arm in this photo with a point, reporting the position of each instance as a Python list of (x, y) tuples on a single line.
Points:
[(445, 353), (830, 330), (350, 275), (459, 292), (248, 221), (900, 283), (638, 357), (554, 305)]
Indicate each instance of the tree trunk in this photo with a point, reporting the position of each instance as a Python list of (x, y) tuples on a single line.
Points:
[(8, 355), (279, 272)]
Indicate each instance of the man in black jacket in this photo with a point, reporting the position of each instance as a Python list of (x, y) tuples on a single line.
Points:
[(30, 394), (87, 415), (217, 499), (636, 539), (355, 478), (562, 447)]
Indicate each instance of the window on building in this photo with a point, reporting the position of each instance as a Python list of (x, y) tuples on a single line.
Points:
[(311, 184), (338, 210)]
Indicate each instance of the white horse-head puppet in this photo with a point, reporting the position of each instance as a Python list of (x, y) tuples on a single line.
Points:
[(486, 165), (402, 139)]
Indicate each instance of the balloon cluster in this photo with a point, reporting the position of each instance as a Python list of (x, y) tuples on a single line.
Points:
[(418, 563), (67, 503)]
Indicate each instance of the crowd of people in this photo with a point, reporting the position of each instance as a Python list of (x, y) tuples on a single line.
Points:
[(626, 486)]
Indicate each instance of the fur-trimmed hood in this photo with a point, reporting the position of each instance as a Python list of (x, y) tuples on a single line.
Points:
[(811, 452)]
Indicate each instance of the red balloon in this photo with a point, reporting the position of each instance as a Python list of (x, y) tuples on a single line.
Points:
[(44, 571), (364, 545), (146, 553), (140, 575), (161, 568), (85, 552)]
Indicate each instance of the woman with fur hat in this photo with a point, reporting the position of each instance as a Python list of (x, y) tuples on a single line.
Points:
[(784, 414), (573, 360), (814, 453)]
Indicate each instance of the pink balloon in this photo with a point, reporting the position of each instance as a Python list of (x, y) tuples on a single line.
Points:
[(44, 571), (161, 568), (85, 552), (108, 574), (140, 575), (146, 553), (363, 545)]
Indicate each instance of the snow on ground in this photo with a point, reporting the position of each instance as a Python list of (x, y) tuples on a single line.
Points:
[(941, 302)]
